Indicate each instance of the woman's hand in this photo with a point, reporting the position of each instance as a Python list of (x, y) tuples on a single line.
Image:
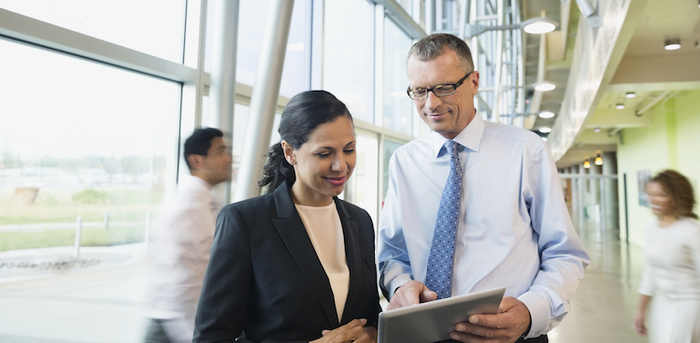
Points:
[(354, 331), (639, 323)]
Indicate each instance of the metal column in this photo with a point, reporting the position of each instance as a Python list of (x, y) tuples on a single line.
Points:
[(263, 101), (222, 91)]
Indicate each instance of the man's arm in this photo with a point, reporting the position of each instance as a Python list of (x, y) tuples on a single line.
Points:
[(392, 254), (562, 255), (562, 261)]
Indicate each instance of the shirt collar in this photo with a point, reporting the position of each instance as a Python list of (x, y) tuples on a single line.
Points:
[(470, 137)]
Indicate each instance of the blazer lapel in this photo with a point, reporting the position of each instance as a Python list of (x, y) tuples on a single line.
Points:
[(296, 239), (353, 258)]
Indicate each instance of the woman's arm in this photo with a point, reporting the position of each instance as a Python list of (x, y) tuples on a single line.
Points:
[(224, 298), (640, 317)]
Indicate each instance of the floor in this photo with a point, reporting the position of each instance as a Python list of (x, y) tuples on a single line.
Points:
[(104, 304)]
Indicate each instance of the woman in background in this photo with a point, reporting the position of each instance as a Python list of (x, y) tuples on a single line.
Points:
[(296, 264), (671, 278)]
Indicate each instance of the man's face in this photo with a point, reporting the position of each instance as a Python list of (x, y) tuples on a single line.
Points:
[(447, 115), (217, 163)]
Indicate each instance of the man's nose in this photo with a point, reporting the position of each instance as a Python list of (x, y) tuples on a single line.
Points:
[(432, 101)]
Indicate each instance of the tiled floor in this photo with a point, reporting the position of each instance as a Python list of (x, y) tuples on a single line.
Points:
[(603, 308), (106, 306)]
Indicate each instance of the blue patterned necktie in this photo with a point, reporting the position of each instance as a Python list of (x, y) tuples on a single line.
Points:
[(439, 275)]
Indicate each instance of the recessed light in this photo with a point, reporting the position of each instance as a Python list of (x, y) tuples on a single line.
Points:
[(596, 130), (620, 106), (630, 95), (546, 114), (545, 129), (544, 139), (672, 44)]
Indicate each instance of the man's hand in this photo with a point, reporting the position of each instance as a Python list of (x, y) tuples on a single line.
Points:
[(507, 326), (411, 293)]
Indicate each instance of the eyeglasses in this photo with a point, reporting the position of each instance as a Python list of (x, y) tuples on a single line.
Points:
[(439, 90)]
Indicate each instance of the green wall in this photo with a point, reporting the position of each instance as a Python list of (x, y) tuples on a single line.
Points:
[(671, 142)]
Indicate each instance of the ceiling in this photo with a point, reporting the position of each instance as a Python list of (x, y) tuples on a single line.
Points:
[(646, 69)]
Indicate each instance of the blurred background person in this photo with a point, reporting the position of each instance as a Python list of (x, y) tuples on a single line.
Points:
[(296, 264), (671, 278), (181, 240)]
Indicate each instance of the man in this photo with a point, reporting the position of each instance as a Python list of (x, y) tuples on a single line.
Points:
[(509, 227), (182, 239)]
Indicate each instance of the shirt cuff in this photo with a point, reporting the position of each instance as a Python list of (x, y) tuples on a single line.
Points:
[(398, 282), (539, 313)]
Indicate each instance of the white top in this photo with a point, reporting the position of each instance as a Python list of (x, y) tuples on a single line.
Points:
[(326, 234), (178, 252), (673, 260)]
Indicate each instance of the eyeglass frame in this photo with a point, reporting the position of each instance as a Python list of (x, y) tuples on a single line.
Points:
[(432, 89)]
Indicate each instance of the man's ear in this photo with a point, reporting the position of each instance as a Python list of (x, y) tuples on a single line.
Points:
[(289, 154), (196, 161)]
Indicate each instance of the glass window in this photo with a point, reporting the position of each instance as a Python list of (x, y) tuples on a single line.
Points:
[(155, 27), (389, 148), (79, 140), (251, 25), (362, 189), (348, 55), (398, 107), (240, 129)]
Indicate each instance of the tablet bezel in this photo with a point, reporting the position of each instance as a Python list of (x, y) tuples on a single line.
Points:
[(433, 321)]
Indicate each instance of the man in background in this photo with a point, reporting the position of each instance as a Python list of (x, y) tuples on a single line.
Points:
[(181, 240)]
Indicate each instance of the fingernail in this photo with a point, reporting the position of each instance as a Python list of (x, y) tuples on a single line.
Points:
[(454, 336), (461, 328), (473, 319)]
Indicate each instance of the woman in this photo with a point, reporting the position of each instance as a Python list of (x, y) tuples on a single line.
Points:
[(672, 274), (296, 264)]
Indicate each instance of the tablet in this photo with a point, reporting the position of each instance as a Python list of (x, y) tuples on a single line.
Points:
[(435, 320)]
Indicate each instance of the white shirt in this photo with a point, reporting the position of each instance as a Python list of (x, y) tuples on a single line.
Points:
[(323, 225), (672, 260), (178, 252), (514, 228)]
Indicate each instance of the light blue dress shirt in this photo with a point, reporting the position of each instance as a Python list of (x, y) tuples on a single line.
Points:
[(514, 228)]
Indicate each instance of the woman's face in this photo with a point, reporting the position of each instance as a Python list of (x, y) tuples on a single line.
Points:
[(324, 163), (660, 201)]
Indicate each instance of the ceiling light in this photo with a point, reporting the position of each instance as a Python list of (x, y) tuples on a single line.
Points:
[(596, 130), (620, 106), (539, 25), (630, 95), (672, 44), (598, 160), (544, 86), (545, 129), (546, 114), (586, 163)]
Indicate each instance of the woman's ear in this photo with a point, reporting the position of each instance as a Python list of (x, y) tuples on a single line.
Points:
[(289, 154)]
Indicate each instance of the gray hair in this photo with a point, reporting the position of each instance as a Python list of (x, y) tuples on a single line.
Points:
[(430, 47)]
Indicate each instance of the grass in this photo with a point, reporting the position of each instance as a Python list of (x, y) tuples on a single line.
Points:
[(57, 206), (60, 238)]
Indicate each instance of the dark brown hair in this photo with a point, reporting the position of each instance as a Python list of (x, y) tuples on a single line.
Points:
[(430, 47), (679, 190)]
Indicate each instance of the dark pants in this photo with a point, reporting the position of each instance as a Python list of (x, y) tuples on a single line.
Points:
[(155, 332), (541, 339)]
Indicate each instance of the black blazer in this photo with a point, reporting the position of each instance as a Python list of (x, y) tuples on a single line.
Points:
[(265, 282)]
